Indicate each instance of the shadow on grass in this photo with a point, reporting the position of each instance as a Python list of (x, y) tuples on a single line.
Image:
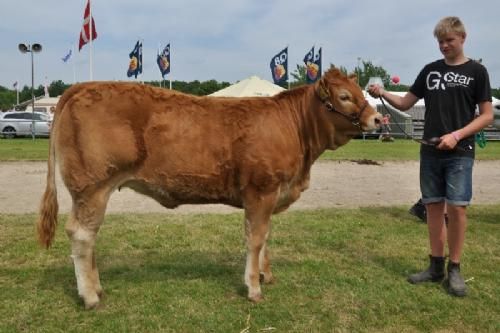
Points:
[(396, 266), (139, 269)]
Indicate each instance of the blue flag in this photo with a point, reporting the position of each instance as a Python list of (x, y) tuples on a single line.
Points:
[(135, 65), (279, 67), (317, 61), (163, 61), (67, 56), (313, 66), (309, 57)]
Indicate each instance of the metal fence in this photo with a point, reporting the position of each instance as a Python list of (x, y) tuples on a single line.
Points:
[(410, 124)]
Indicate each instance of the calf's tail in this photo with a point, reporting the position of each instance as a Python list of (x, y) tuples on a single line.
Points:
[(47, 219)]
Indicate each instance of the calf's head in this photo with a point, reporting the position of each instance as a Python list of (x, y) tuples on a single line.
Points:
[(344, 99)]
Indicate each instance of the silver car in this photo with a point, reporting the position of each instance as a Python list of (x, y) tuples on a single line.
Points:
[(20, 123), (496, 111)]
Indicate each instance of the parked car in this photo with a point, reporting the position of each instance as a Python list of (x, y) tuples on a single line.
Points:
[(20, 123), (496, 112)]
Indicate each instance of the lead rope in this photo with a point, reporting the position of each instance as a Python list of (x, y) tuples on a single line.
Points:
[(397, 124)]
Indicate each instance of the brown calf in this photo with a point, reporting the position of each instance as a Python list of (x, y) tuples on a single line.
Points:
[(253, 153)]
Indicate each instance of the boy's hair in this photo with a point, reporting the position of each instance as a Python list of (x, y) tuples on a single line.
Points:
[(447, 25)]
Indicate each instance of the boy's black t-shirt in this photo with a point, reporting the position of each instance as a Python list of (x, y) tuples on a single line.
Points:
[(451, 94)]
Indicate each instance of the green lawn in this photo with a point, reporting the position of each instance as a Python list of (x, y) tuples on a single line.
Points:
[(337, 270), (402, 149), (24, 149)]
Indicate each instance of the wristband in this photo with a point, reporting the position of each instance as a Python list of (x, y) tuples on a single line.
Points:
[(456, 136)]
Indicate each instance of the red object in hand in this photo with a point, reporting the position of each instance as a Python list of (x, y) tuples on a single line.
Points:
[(395, 79)]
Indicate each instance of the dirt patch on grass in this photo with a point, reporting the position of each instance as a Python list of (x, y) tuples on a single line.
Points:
[(333, 184)]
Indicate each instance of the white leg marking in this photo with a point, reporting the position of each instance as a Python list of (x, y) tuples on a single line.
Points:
[(82, 246)]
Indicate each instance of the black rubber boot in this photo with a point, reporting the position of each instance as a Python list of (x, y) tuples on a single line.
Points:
[(418, 210), (456, 283), (435, 272)]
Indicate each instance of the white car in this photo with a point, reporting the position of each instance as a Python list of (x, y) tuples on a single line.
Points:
[(20, 123), (496, 114)]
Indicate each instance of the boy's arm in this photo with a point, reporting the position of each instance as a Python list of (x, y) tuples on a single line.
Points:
[(401, 103), (485, 118)]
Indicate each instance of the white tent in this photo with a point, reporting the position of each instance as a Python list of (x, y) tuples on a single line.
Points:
[(401, 122), (250, 87), (418, 110), (416, 114), (496, 112)]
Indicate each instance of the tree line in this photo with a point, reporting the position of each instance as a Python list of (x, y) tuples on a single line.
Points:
[(8, 98), (203, 88)]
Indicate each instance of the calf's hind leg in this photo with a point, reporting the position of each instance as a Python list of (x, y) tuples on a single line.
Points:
[(84, 223), (264, 262)]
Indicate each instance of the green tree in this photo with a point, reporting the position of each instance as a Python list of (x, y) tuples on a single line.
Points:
[(343, 69), (7, 99), (369, 70), (25, 94), (496, 92), (397, 87), (57, 88), (299, 76), (194, 87)]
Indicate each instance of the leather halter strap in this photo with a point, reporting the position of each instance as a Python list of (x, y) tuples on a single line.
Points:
[(324, 97)]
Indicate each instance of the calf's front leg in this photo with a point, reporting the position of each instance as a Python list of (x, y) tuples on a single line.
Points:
[(258, 210)]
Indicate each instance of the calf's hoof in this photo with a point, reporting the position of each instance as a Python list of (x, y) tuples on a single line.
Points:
[(266, 278), (91, 302), (256, 298)]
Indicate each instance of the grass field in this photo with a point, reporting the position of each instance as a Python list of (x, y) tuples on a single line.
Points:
[(24, 149), (37, 150), (337, 270)]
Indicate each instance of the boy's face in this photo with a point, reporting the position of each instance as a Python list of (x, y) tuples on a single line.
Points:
[(451, 45)]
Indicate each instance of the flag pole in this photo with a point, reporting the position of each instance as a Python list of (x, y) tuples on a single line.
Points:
[(142, 63), (46, 88), (170, 65), (91, 33), (17, 91), (73, 50), (157, 55), (141, 49), (287, 63)]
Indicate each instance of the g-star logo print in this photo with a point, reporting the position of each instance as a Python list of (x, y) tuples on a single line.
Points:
[(435, 80)]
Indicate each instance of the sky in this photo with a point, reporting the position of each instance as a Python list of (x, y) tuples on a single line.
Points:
[(230, 40)]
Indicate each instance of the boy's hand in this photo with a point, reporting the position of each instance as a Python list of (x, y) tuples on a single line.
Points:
[(375, 90), (448, 142)]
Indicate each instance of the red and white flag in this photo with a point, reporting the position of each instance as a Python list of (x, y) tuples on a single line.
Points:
[(86, 33)]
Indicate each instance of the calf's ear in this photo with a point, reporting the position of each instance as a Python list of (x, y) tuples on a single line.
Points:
[(353, 77)]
